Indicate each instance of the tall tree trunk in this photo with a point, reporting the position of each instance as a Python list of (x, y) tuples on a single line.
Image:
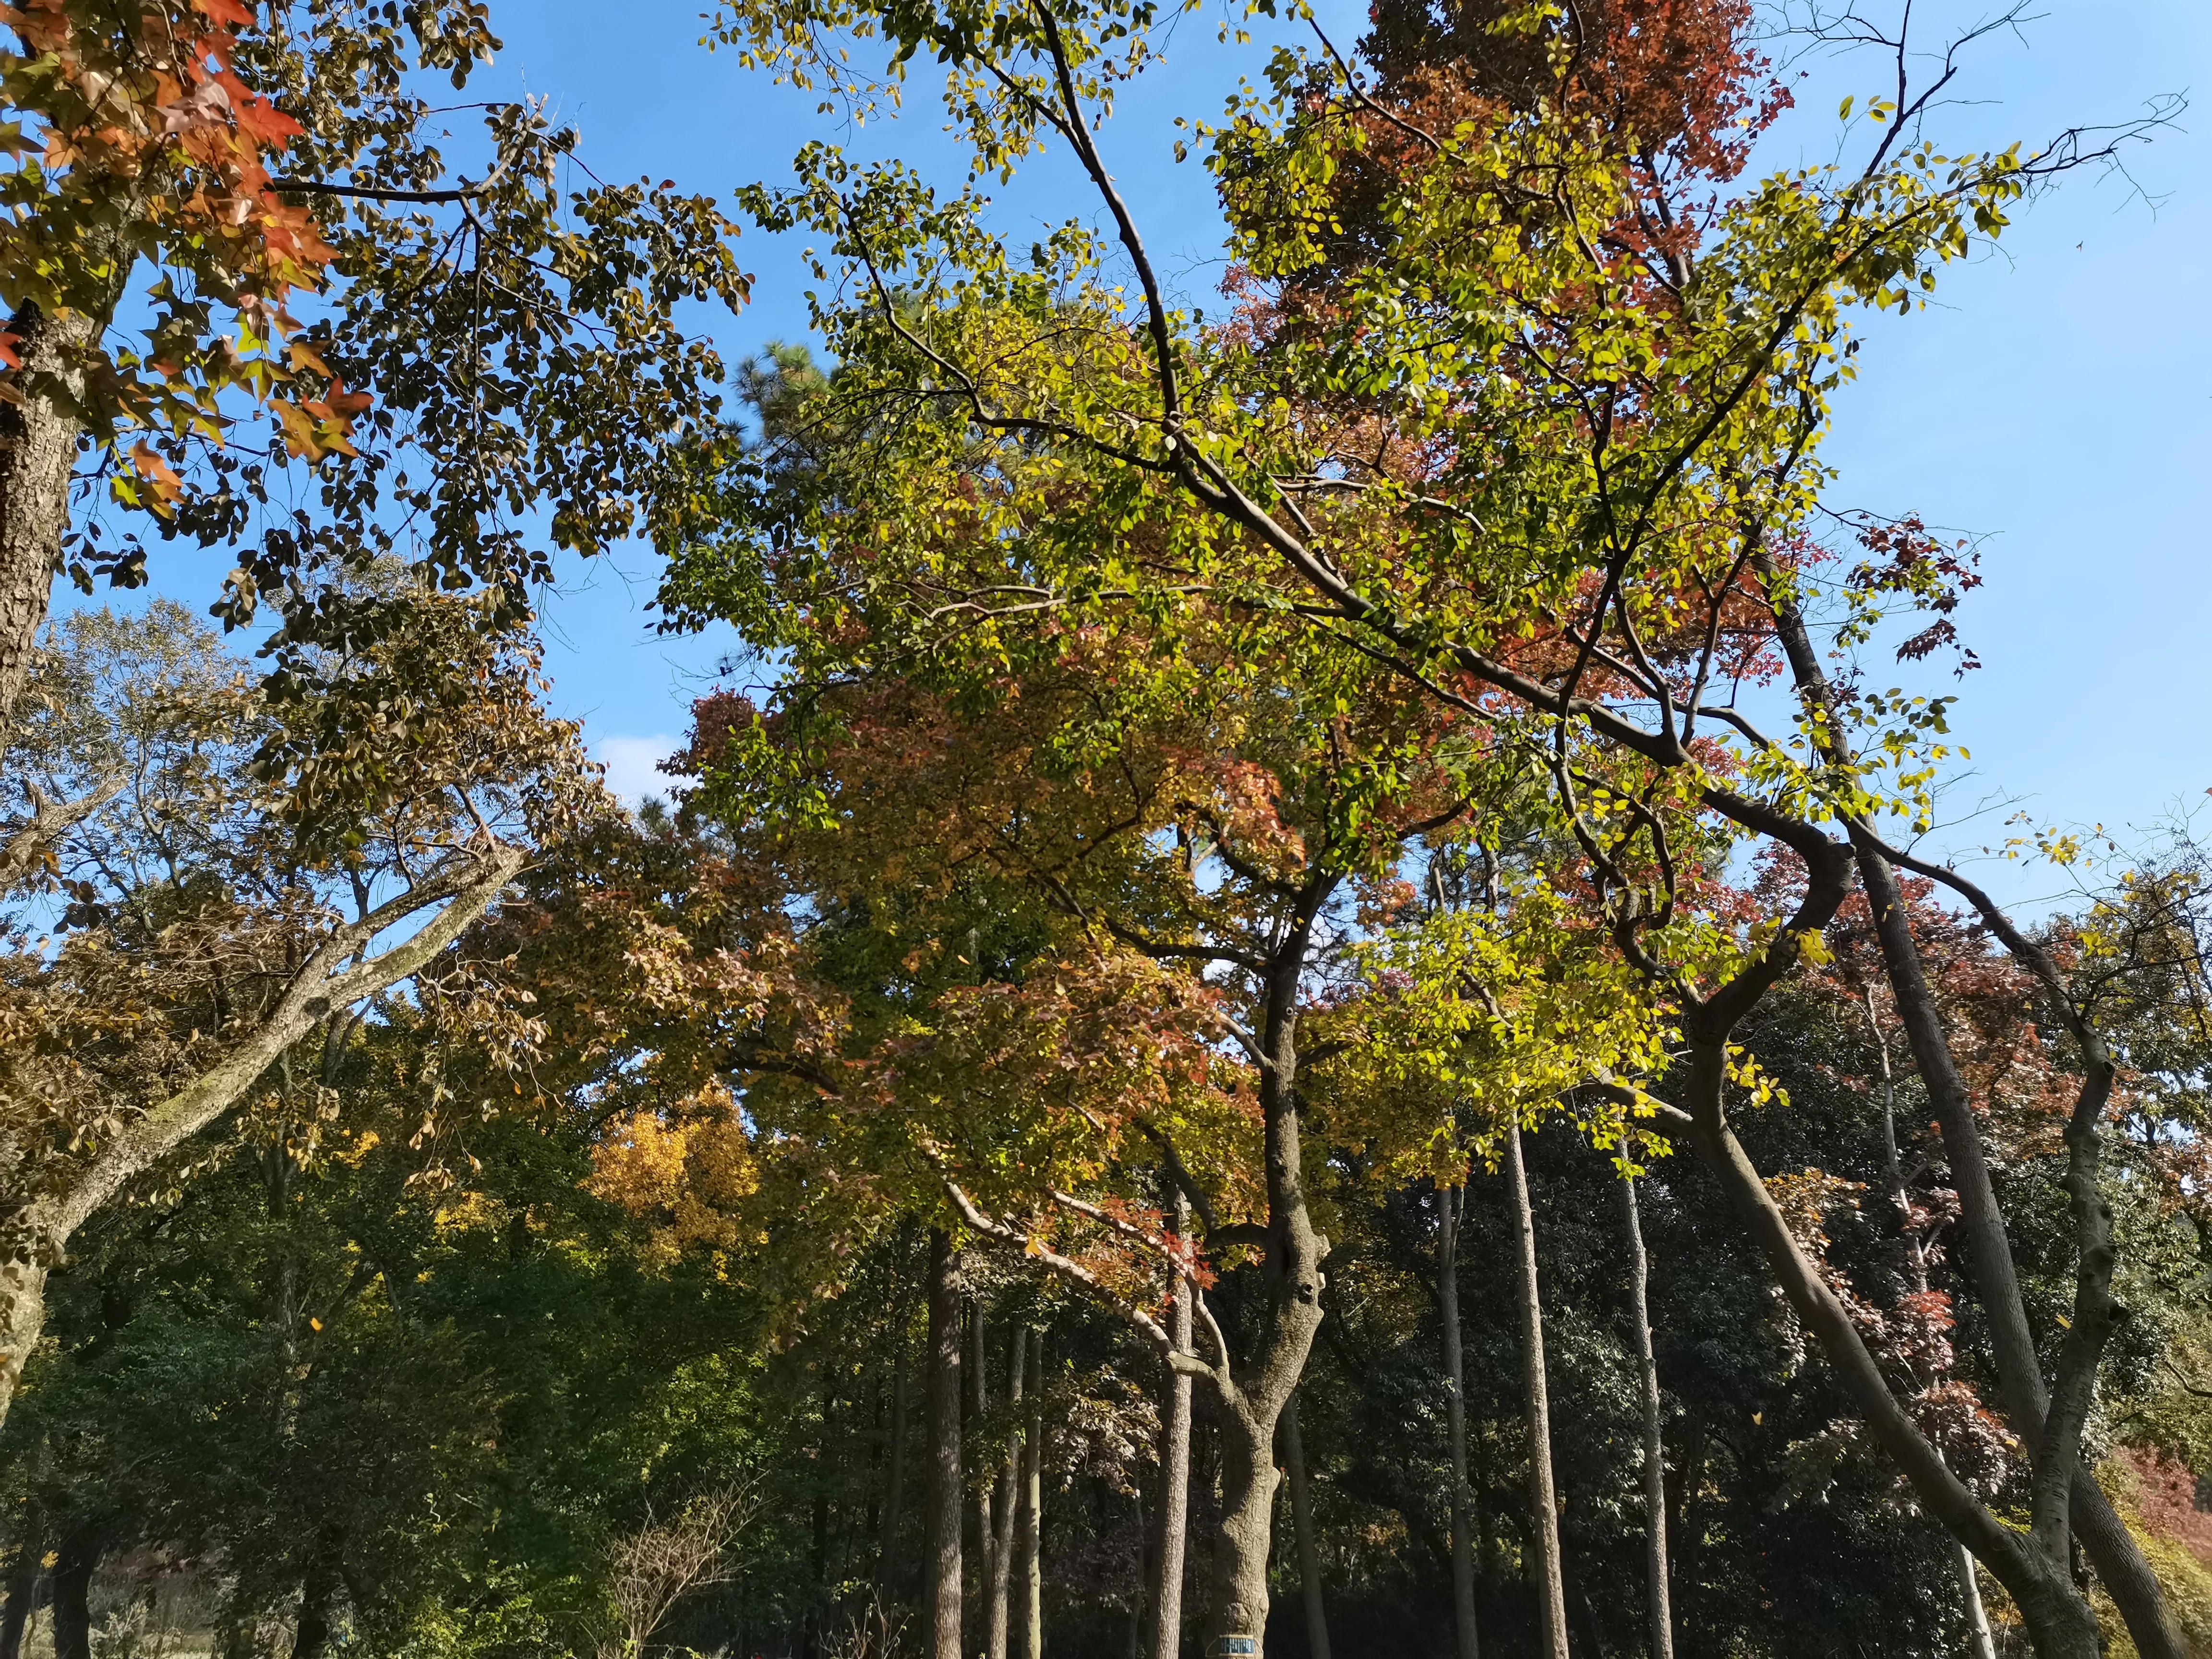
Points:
[(1451, 1204), (2025, 1394), (37, 454), (894, 1482), (1002, 1516), (2060, 1622), (1174, 1466), (1981, 1642), (818, 1554), (1032, 1519), (1291, 1284), (1302, 1525), (79, 1552), (22, 1589), (943, 1516), (1543, 1499), (1655, 1424)]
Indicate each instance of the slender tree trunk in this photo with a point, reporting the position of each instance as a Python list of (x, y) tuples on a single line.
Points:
[(1175, 1467), (1002, 1516), (944, 1515), (979, 1403), (22, 1589), (1302, 1525), (818, 1558), (1981, 1643), (887, 1562), (1979, 1640), (1032, 1519), (1654, 1422), (2025, 1394), (1451, 1203), (2060, 1623), (79, 1552), (1543, 1499)]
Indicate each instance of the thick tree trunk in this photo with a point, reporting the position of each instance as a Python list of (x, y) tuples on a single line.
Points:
[(1292, 1282), (1655, 1425), (942, 1518), (22, 1590), (79, 1552), (1001, 1555), (37, 454), (1032, 1517), (1543, 1497), (1242, 1537), (1174, 1467), (1451, 1204), (1302, 1526)]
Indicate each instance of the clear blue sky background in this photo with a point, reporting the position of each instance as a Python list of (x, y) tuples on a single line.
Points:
[(2058, 400)]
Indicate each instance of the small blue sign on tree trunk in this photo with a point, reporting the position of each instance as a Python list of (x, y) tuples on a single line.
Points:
[(1235, 1645)]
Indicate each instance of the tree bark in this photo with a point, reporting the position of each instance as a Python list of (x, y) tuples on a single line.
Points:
[(1543, 1496), (1175, 1464), (1009, 1492), (944, 1515), (1451, 1203), (37, 455), (1239, 1602), (2105, 1539), (1250, 1390), (79, 1552), (1655, 1424), (1302, 1526), (1032, 1517)]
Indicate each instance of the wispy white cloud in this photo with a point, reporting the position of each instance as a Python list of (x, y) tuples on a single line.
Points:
[(634, 766)]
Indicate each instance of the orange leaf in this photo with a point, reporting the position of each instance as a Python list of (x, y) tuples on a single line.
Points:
[(155, 472)]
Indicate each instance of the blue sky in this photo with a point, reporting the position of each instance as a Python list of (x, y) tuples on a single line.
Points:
[(2058, 400)]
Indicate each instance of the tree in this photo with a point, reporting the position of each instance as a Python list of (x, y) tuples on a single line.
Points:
[(205, 939), (224, 165), (1548, 452)]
